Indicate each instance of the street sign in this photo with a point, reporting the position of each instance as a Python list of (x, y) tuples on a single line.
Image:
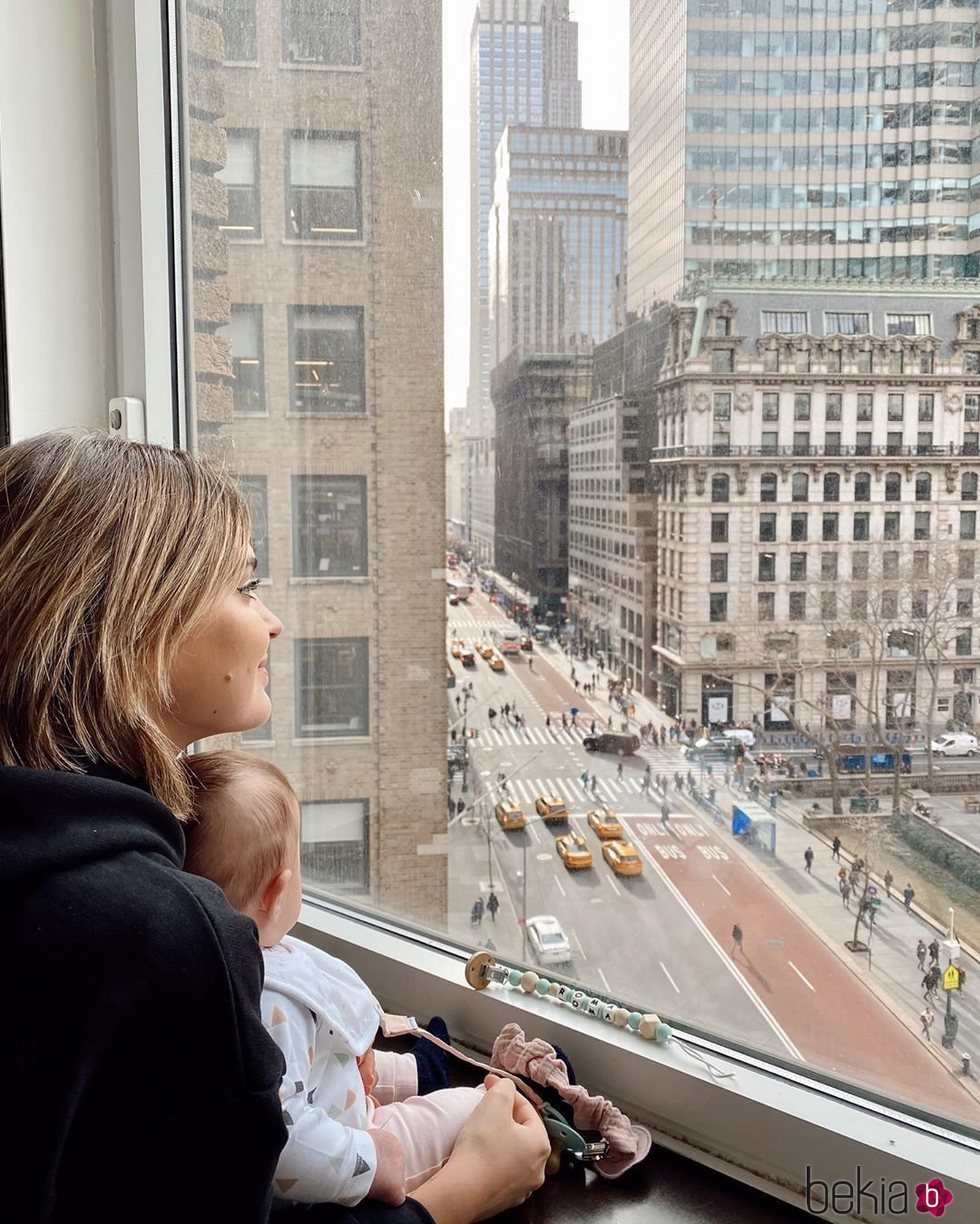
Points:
[(951, 978)]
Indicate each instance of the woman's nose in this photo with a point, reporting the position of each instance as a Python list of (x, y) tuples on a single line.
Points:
[(274, 623)]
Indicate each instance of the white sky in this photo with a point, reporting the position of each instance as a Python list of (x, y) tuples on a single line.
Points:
[(603, 50)]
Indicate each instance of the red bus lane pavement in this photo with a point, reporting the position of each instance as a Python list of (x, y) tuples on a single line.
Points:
[(836, 1022)]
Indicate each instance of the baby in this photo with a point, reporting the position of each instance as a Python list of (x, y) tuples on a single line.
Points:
[(356, 1124)]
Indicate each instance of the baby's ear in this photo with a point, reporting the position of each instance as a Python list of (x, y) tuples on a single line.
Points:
[(274, 893)]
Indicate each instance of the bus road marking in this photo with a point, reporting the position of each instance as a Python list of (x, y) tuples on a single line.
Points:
[(800, 976)]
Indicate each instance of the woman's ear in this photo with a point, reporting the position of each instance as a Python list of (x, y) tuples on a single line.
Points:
[(270, 902)]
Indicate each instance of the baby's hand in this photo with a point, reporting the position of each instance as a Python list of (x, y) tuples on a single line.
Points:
[(389, 1177)]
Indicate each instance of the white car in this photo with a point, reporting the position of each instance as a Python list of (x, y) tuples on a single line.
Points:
[(548, 941), (956, 743), (741, 733)]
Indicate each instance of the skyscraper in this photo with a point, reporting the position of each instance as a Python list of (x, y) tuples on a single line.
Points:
[(768, 142)]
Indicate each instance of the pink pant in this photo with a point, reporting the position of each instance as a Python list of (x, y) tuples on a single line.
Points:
[(425, 1126)]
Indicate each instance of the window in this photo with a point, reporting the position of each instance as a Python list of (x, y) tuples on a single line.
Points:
[(834, 406), (719, 488), (968, 524), (800, 487), (896, 406), (323, 188), (908, 325), (769, 444), (964, 603), (921, 525), (828, 567), (893, 486), (334, 845), (964, 675), (828, 605), (767, 527), (965, 565), (770, 405), (797, 605), (893, 443), (718, 606), (891, 525), (767, 567), (889, 563), (256, 491), (830, 527), (719, 567), (798, 526), (865, 405), (767, 605), (326, 352), (244, 334), (238, 26), (787, 322), (721, 326), (923, 443), (719, 529), (862, 525), (964, 642), (859, 603), (831, 487), (862, 443), (329, 526), (863, 361), (862, 486), (923, 487), (241, 176), (770, 361), (314, 32), (767, 487), (722, 405), (968, 486), (831, 442), (845, 323), (797, 567), (859, 566), (801, 442), (920, 564), (722, 360), (926, 407), (801, 406), (331, 687)]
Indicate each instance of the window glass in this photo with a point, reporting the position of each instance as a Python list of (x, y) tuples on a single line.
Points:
[(238, 27), (244, 334), (329, 526), (256, 490), (334, 845), (321, 32), (241, 176), (323, 199), (331, 687), (326, 349)]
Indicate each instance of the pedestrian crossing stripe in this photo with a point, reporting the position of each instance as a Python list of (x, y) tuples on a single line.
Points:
[(572, 791), (508, 735)]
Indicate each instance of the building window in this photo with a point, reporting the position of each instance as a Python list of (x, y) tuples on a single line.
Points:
[(835, 406), (770, 442), (831, 527), (908, 325), (831, 442), (846, 323), (966, 565), (800, 487), (828, 605), (798, 526), (923, 443), (244, 334), (256, 492), (238, 25), (797, 567), (722, 360), (323, 191), (921, 525), (718, 606), (893, 486), (797, 605), (859, 566), (862, 486), (786, 322), (719, 567), (831, 487), (889, 563), (862, 443), (722, 325), (859, 603), (964, 642), (767, 605), (968, 486), (240, 175), (927, 406), (828, 567), (314, 32), (801, 442), (767, 527), (719, 488), (719, 529), (767, 487), (770, 361), (862, 525), (892, 524), (331, 687), (333, 851), (896, 406), (964, 603), (865, 405), (722, 405), (801, 361), (326, 357), (770, 405), (923, 487), (893, 443), (863, 361), (801, 406), (968, 524), (767, 567), (329, 526)]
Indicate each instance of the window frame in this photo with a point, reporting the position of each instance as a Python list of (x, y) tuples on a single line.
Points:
[(334, 235), (302, 482)]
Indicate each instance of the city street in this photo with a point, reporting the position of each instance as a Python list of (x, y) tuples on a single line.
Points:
[(663, 940)]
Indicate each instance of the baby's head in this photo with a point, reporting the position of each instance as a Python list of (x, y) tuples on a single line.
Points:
[(244, 836)]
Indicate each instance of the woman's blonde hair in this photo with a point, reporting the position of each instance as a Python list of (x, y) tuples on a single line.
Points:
[(111, 554), (244, 827)]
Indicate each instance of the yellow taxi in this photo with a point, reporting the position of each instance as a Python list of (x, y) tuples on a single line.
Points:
[(573, 851), (510, 815), (622, 857), (496, 663), (551, 808), (603, 821), (457, 647), (484, 650)]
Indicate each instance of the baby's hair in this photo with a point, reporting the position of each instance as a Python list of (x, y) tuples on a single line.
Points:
[(244, 827)]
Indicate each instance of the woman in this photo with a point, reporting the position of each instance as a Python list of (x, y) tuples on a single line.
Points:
[(140, 1084)]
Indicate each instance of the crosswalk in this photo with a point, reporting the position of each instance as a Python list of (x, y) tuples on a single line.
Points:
[(475, 626), (608, 790), (501, 737)]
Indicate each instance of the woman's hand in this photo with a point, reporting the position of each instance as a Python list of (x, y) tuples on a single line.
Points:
[(498, 1160)]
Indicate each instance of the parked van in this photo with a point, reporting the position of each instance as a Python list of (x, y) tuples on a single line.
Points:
[(955, 743)]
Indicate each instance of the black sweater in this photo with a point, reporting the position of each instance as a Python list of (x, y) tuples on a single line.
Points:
[(139, 1084)]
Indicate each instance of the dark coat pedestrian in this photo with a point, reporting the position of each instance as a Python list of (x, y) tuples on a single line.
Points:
[(736, 938), (920, 954), (493, 905), (835, 848), (476, 913), (664, 814), (808, 859), (889, 880), (934, 952), (908, 892)]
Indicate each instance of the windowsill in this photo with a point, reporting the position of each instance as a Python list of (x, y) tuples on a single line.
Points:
[(290, 66), (318, 740), (333, 243), (319, 579), (239, 63), (762, 1127), (328, 416)]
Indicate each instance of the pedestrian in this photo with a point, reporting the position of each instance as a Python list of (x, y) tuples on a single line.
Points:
[(458, 699), (928, 985), (491, 714), (920, 954), (460, 806), (619, 771), (592, 727), (934, 952), (678, 782), (961, 978), (773, 800), (889, 880), (476, 913), (594, 783), (835, 848), (530, 664), (808, 859), (736, 939), (452, 734), (547, 721), (926, 1019), (665, 815), (609, 722), (845, 894), (646, 774), (728, 777), (564, 721), (507, 710), (493, 905)]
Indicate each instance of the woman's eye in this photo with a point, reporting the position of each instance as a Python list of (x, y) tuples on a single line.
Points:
[(250, 587)]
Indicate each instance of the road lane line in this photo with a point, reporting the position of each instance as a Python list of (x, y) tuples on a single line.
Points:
[(668, 977), (533, 831), (605, 981), (558, 882), (725, 959), (720, 885), (800, 976), (572, 936), (613, 886)]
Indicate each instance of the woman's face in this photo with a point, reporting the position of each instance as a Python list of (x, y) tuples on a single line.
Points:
[(220, 677)]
